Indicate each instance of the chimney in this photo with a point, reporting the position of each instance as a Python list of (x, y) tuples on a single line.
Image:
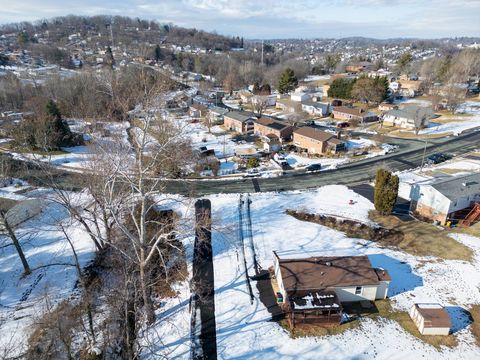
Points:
[(339, 135)]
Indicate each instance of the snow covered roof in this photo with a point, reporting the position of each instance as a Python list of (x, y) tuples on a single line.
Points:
[(327, 300)]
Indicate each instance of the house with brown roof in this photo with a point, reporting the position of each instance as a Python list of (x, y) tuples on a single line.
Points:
[(359, 67), (431, 319), (351, 113), (266, 126), (314, 288), (316, 141)]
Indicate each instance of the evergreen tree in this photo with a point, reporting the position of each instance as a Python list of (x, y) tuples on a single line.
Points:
[(58, 127), (256, 88), (287, 81), (265, 89), (404, 61), (109, 57), (386, 191), (370, 89), (158, 53), (23, 38), (341, 88)]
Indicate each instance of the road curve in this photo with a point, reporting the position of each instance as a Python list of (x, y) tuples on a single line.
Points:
[(350, 174)]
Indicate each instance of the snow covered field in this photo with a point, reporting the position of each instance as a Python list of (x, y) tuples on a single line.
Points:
[(244, 330), (78, 157)]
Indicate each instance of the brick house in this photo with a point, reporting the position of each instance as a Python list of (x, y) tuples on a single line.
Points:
[(317, 141), (240, 122), (351, 113), (265, 126)]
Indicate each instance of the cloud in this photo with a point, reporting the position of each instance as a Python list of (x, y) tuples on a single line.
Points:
[(277, 18)]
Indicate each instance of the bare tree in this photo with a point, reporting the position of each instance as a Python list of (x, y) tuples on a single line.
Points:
[(419, 120), (5, 207), (260, 104)]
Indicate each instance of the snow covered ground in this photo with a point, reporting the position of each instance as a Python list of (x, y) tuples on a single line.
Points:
[(78, 157), (311, 78), (53, 277), (297, 161), (244, 330), (217, 139)]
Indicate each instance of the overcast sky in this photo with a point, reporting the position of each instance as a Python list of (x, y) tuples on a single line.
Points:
[(277, 18)]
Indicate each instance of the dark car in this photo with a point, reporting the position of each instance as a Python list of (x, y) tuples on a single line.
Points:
[(313, 167), (437, 158), (343, 125)]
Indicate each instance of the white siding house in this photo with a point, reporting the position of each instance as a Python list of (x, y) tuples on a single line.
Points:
[(441, 199), (351, 277)]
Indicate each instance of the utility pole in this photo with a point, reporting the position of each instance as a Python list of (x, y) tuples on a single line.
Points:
[(424, 152), (261, 63), (111, 32)]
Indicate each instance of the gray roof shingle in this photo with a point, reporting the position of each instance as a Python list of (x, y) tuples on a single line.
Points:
[(459, 186)]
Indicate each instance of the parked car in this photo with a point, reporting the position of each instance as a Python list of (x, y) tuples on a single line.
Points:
[(437, 158), (309, 122), (313, 167), (343, 125)]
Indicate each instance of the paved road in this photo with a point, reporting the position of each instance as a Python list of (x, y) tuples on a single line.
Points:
[(350, 174)]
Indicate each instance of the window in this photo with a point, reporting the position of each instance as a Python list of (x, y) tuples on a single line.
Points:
[(358, 290)]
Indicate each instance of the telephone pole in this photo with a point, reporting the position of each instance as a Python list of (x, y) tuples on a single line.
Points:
[(261, 62)]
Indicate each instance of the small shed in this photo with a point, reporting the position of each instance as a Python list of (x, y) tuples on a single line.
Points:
[(431, 319)]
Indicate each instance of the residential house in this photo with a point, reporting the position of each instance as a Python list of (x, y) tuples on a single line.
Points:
[(216, 115), (271, 143), (313, 289), (245, 96), (198, 110), (266, 126), (299, 96), (410, 88), (405, 117), (352, 113), (316, 141), (441, 199), (240, 122), (270, 100), (359, 67), (287, 105), (431, 319), (386, 106), (316, 108)]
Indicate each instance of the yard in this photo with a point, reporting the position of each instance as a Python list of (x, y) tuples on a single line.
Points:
[(244, 326)]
